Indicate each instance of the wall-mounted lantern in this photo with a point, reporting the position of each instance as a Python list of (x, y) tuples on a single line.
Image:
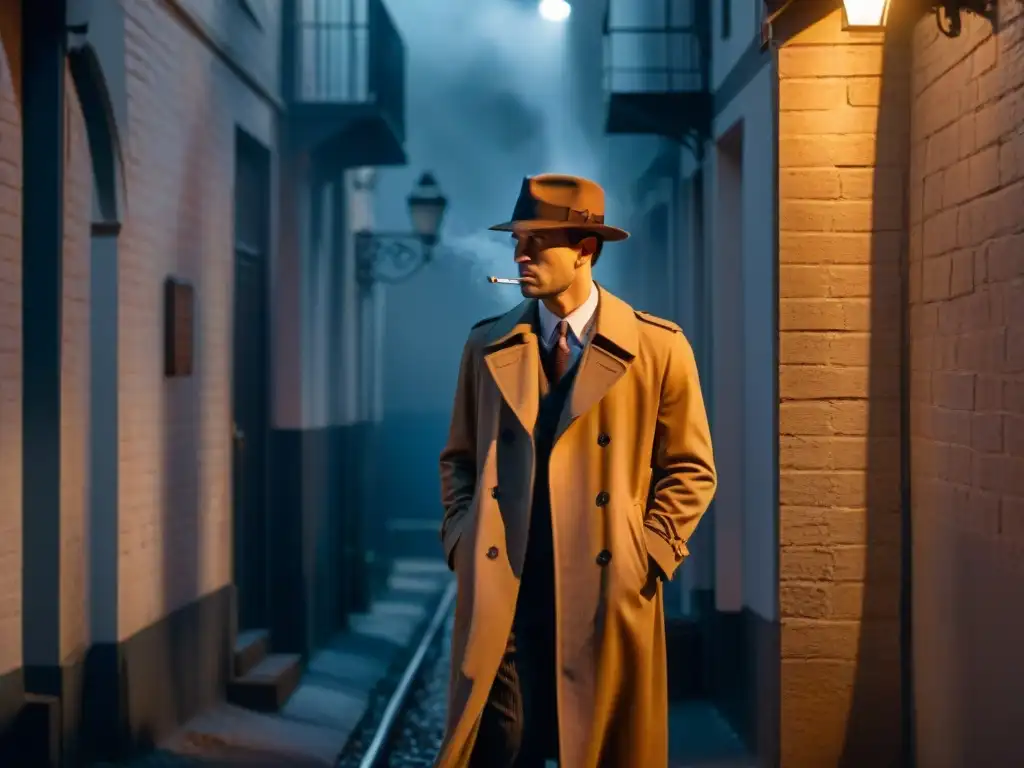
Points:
[(872, 14), (394, 257), (865, 14)]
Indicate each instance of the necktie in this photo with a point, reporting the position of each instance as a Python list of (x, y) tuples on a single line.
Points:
[(561, 353)]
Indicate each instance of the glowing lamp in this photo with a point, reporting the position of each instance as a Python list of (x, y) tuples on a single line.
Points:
[(865, 14), (554, 10), (426, 209)]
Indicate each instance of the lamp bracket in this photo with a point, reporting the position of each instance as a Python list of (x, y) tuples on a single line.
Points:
[(390, 257), (948, 14)]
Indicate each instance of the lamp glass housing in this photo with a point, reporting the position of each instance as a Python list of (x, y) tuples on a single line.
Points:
[(865, 14), (427, 207)]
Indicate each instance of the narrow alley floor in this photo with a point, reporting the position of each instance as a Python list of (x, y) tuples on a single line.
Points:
[(341, 683), (334, 714), (700, 737)]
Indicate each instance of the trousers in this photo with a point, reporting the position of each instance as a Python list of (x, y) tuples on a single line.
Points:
[(519, 724)]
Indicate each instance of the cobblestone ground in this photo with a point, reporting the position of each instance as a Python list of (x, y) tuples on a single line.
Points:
[(417, 734)]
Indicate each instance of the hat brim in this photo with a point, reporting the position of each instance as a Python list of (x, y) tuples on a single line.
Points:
[(610, 234)]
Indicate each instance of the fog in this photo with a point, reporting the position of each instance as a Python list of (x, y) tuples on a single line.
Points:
[(494, 93)]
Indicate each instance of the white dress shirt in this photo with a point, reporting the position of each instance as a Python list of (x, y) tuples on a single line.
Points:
[(578, 321)]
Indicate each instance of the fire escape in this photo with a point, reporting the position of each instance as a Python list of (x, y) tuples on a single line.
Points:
[(657, 69), (344, 80)]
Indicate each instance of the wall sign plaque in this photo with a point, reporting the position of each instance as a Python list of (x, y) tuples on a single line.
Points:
[(179, 327)]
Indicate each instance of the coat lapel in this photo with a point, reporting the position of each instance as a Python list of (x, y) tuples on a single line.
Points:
[(606, 358), (511, 355)]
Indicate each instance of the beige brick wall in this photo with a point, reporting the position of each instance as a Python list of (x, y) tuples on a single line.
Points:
[(175, 492), (967, 393), (75, 379), (841, 202), (10, 342)]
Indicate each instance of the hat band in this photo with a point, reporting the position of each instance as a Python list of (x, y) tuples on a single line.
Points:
[(531, 209)]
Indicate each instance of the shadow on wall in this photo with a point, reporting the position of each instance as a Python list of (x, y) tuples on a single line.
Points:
[(181, 425), (874, 684), (876, 722)]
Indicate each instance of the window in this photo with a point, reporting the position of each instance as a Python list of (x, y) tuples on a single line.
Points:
[(726, 18)]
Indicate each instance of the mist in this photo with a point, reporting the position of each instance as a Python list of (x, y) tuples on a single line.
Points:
[(494, 93)]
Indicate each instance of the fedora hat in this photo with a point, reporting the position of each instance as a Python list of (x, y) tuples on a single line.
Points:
[(556, 201)]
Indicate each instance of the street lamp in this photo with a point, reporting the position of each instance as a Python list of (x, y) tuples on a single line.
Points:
[(394, 257), (872, 14), (554, 10)]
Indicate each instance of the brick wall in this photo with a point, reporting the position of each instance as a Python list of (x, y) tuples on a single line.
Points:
[(842, 137), (75, 379), (967, 393), (75, 351), (10, 342), (175, 494)]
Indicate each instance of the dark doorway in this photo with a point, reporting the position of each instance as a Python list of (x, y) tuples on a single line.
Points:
[(250, 380)]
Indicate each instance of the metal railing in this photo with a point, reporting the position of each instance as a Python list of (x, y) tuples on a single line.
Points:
[(658, 46), (348, 52)]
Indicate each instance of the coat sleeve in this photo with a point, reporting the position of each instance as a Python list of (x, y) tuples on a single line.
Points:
[(458, 458), (683, 460)]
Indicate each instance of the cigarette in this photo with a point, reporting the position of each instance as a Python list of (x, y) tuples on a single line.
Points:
[(504, 280)]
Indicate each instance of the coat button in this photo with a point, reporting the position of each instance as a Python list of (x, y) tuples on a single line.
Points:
[(602, 499), (507, 435), (604, 557), (492, 553), (495, 493), (603, 439)]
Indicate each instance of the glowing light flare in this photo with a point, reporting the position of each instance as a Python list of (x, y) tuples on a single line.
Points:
[(865, 14), (554, 10)]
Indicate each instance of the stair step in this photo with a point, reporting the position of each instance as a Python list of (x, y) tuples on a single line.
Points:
[(268, 685), (251, 647)]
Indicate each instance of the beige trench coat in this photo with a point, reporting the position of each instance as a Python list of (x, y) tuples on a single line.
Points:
[(636, 404)]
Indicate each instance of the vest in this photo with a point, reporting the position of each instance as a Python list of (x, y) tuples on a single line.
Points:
[(536, 604)]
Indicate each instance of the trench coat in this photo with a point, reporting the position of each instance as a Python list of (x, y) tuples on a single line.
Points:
[(635, 409)]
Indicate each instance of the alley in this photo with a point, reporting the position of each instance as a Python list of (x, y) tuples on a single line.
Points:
[(261, 408)]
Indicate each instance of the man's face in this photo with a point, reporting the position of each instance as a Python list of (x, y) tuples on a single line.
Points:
[(548, 261)]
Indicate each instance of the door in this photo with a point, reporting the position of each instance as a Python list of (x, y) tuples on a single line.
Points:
[(250, 381)]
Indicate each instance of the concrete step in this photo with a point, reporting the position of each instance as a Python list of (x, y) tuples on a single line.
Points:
[(268, 685), (251, 647)]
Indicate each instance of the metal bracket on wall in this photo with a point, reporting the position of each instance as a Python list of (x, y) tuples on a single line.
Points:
[(948, 14), (389, 257), (767, 31)]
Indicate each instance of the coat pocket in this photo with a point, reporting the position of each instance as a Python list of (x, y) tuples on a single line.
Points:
[(641, 558)]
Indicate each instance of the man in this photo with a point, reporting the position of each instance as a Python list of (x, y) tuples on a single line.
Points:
[(565, 407)]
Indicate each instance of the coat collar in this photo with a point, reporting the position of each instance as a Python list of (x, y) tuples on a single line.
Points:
[(511, 352)]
